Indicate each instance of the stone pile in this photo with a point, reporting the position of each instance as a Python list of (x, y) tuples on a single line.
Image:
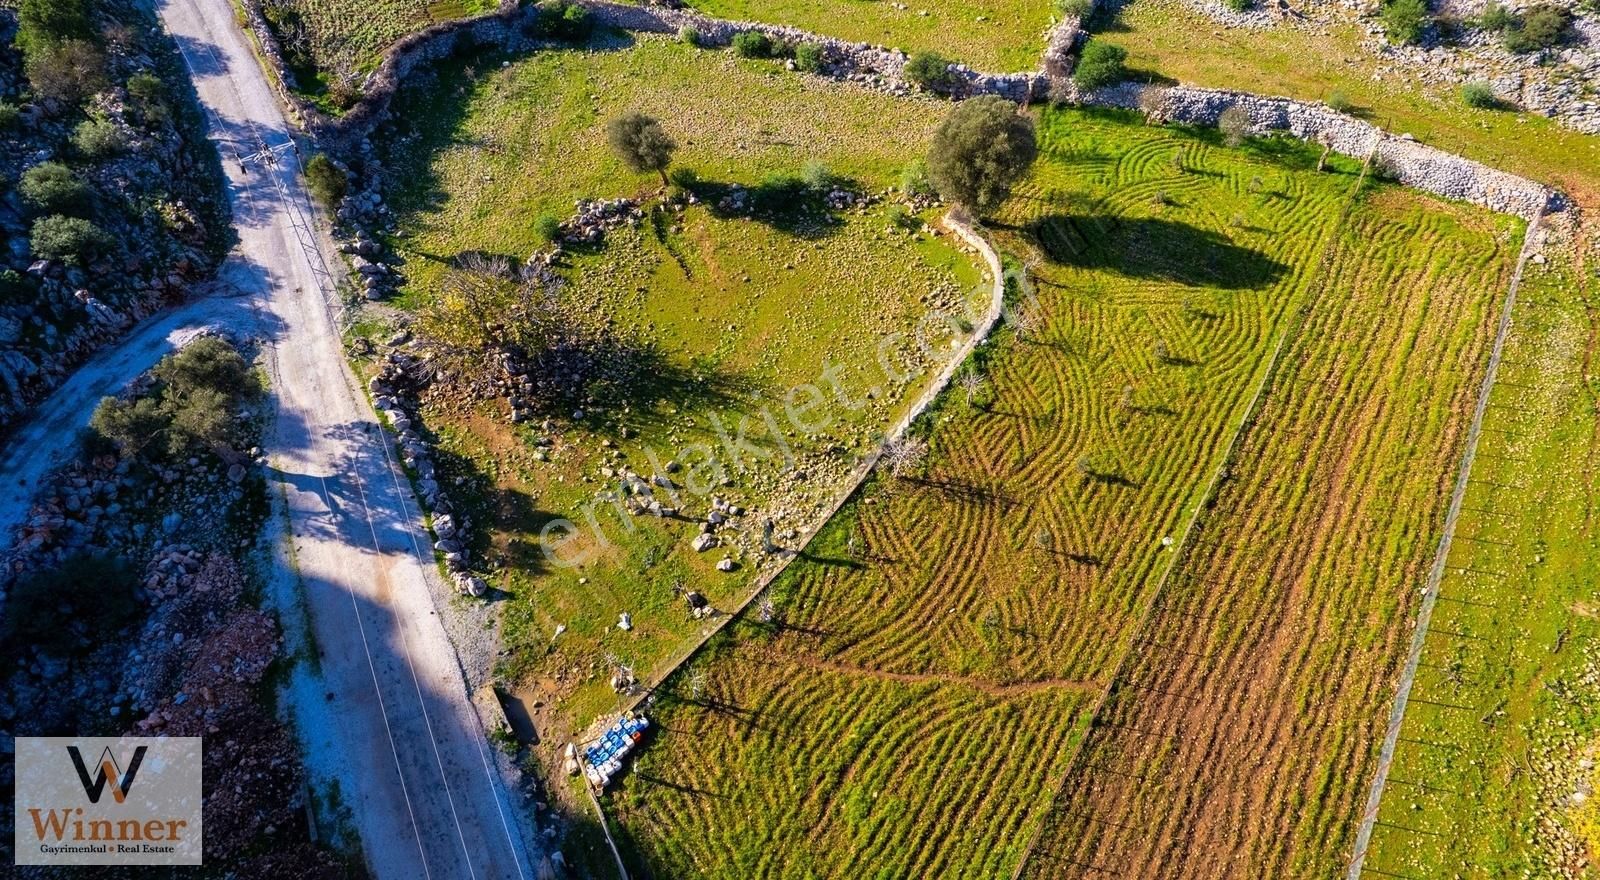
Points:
[(596, 217), (736, 201), (394, 393)]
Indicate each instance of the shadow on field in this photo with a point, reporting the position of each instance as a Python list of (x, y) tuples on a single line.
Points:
[(1152, 248), (784, 202)]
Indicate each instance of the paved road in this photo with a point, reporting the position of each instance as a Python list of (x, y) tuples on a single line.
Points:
[(397, 726)]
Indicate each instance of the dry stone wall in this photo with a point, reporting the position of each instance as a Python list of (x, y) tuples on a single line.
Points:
[(1413, 164), (1407, 161)]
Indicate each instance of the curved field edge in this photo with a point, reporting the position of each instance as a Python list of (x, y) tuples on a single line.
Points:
[(895, 593)]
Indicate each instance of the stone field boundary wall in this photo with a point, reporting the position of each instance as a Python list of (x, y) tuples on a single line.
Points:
[(1411, 163)]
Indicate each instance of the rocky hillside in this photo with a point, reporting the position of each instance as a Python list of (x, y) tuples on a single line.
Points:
[(111, 199), (131, 607)]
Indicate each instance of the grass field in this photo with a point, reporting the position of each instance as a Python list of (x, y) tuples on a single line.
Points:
[(937, 651), (727, 313), (1000, 36), (1242, 728), (1489, 777), (347, 36), (1166, 38)]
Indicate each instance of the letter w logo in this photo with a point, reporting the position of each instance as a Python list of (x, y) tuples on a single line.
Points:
[(107, 770)]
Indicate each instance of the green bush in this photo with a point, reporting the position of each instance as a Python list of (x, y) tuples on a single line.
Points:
[(684, 178), (1496, 17), (9, 114), (326, 181), (781, 191), (819, 176), (98, 139), (42, 23), (546, 228), (914, 180), (689, 34), (197, 395), (1078, 9), (1239, 5), (1340, 101), (73, 608), (1100, 64), (208, 363), (129, 426), (808, 57), (1479, 95), (68, 238), (575, 24), (900, 218), (1404, 20), (147, 87), (929, 70), (52, 188), (563, 20), (752, 44), (1540, 27), (68, 72)]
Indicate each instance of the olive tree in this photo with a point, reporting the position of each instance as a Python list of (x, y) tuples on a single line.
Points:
[(981, 149), (642, 143)]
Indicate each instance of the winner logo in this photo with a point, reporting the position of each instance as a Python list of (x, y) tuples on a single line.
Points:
[(63, 817)]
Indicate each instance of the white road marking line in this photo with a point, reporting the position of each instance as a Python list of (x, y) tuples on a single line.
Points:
[(405, 651), (402, 492), (327, 501)]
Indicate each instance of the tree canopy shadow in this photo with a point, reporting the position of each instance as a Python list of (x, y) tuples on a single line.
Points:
[(1152, 248), (784, 202)]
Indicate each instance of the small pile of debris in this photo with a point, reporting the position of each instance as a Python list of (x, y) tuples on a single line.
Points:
[(603, 760), (596, 217), (737, 201)]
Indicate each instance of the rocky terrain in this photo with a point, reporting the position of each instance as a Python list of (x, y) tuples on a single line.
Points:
[(131, 609), (129, 155), (1559, 82)]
